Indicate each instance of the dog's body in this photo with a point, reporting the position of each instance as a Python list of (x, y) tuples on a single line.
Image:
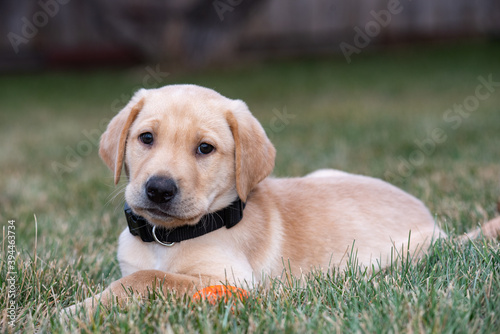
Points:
[(305, 223), (189, 151)]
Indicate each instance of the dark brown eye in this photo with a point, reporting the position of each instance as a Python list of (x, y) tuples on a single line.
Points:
[(146, 138), (204, 148)]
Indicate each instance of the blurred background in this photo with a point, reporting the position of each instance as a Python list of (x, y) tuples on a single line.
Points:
[(195, 33)]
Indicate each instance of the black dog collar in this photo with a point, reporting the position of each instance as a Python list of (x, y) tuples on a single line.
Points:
[(229, 217)]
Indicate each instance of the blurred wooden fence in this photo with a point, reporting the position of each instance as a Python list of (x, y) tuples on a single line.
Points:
[(198, 32), (322, 24)]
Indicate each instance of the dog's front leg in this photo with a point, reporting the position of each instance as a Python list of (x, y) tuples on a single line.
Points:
[(140, 283)]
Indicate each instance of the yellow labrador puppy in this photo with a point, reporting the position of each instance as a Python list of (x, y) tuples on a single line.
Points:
[(201, 209)]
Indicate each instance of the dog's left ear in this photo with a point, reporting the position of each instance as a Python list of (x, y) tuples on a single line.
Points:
[(114, 139), (254, 152)]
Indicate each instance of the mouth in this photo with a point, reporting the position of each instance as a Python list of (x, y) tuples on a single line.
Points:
[(155, 213), (160, 217)]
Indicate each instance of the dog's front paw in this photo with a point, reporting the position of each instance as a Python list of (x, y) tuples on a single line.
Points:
[(67, 313), (85, 307)]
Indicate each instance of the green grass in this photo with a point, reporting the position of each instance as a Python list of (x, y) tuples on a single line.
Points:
[(363, 118)]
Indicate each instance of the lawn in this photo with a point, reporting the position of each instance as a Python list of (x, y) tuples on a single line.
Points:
[(425, 118)]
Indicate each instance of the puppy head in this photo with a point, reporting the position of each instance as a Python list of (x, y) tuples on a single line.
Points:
[(187, 150)]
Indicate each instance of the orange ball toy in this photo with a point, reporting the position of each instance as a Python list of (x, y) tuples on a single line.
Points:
[(215, 292)]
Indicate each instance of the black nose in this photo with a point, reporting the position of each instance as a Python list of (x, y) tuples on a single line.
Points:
[(160, 189)]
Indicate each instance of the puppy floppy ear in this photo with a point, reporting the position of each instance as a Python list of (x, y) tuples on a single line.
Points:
[(254, 152), (114, 139)]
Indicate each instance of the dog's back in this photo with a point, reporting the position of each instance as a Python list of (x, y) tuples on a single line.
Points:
[(323, 219)]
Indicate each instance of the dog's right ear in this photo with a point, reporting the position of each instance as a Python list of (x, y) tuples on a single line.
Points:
[(114, 139)]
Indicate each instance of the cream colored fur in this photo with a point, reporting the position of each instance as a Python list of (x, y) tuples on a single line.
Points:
[(314, 222)]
